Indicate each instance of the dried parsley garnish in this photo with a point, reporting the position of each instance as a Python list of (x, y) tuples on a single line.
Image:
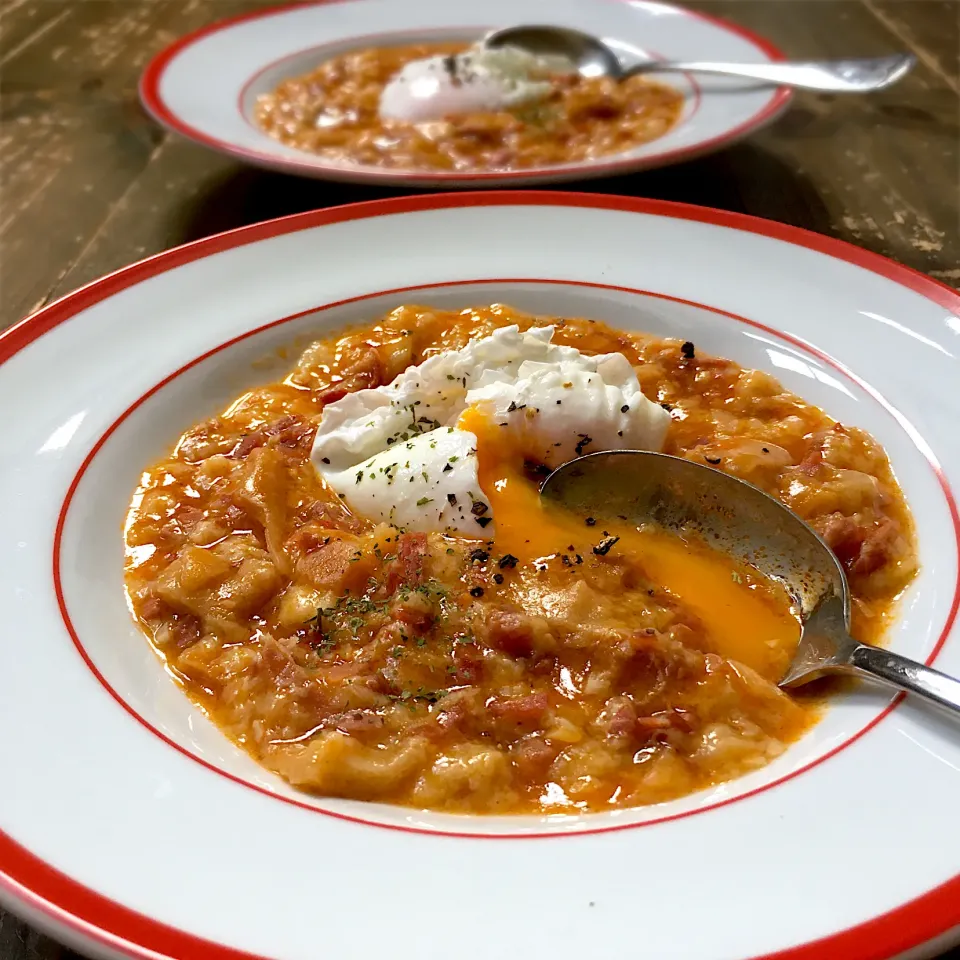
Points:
[(603, 547)]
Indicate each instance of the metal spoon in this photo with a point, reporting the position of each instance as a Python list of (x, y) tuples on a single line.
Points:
[(591, 57), (737, 518)]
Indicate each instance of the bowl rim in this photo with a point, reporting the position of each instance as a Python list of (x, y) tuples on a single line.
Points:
[(65, 906), (153, 102), (34, 325), (67, 504)]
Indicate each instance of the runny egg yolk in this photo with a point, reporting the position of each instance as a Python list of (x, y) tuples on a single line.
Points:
[(747, 616)]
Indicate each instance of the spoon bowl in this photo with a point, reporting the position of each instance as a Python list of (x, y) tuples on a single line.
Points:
[(735, 517), (591, 57)]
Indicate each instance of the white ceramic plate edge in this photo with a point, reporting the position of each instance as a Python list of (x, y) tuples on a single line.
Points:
[(156, 105), (918, 916)]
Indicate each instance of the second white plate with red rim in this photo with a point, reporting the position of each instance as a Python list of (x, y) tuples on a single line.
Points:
[(205, 85), (133, 828)]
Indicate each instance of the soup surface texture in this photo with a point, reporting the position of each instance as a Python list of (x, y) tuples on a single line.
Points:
[(334, 112), (544, 663)]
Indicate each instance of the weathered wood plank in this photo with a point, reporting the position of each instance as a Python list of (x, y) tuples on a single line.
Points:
[(66, 161), (103, 44), (74, 137), (879, 170), (24, 22), (20, 942), (931, 28)]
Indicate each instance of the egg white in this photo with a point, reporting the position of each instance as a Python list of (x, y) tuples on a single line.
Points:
[(475, 81), (396, 454), (426, 483)]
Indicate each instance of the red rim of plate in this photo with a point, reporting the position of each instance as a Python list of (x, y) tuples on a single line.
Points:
[(902, 422), (65, 903), (155, 105)]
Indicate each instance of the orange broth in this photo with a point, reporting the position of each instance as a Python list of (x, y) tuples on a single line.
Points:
[(545, 669)]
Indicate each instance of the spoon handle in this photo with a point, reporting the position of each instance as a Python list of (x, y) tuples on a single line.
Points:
[(906, 674), (837, 76)]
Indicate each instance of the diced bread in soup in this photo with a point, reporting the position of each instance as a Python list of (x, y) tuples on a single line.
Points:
[(351, 570)]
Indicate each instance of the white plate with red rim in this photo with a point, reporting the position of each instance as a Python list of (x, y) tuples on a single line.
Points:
[(129, 827), (205, 85)]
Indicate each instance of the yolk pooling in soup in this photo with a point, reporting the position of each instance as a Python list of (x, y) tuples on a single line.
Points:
[(745, 616), (454, 644)]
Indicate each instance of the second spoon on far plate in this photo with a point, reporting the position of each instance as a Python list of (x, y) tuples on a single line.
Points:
[(591, 57)]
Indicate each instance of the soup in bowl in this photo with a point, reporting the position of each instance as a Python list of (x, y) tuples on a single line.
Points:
[(350, 569)]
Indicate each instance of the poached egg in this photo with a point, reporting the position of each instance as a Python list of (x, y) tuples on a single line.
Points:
[(476, 81), (434, 449)]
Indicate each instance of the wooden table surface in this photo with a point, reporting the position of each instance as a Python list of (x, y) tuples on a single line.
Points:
[(89, 183)]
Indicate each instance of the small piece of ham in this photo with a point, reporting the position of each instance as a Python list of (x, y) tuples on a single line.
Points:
[(291, 432), (519, 710), (510, 632), (407, 569), (862, 547)]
